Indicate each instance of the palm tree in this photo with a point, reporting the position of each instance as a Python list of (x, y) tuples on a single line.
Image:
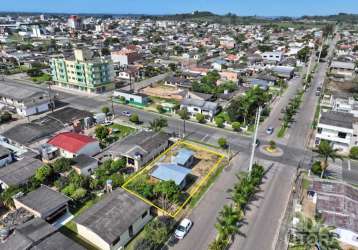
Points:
[(310, 233), (158, 124), (326, 151), (227, 222), (218, 244)]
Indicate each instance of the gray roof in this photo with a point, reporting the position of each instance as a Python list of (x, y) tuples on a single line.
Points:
[(28, 133), (338, 119), (337, 202), (18, 91), (27, 234), (69, 114), (141, 143), (4, 151), (43, 199), (82, 161), (342, 65), (113, 215), (19, 172), (205, 105), (58, 241), (37, 234)]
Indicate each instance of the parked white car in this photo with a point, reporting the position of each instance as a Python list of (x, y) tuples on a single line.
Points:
[(183, 228)]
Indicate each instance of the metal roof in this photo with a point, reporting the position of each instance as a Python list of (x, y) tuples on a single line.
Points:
[(183, 156), (170, 172)]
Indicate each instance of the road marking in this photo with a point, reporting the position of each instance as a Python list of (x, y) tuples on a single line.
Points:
[(349, 164), (204, 138)]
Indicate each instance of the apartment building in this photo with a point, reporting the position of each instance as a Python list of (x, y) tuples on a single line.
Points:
[(84, 73)]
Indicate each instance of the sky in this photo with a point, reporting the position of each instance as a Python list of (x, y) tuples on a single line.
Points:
[(239, 7)]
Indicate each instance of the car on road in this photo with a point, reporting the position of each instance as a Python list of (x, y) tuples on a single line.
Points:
[(126, 113), (269, 130), (107, 123), (257, 143), (183, 228)]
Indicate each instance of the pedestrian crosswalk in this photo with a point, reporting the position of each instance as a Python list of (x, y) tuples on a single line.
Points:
[(335, 170)]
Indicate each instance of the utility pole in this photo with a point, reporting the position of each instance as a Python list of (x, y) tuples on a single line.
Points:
[(309, 68), (320, 51), (257, 121), (52, 102)]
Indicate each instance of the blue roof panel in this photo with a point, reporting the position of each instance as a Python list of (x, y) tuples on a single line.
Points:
[(183, 156), (170, 172)]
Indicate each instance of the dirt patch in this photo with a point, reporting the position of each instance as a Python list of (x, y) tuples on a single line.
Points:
[(345, 87), (164, 92)]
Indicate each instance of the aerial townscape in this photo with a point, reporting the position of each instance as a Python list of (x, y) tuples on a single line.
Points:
[(187, 127)]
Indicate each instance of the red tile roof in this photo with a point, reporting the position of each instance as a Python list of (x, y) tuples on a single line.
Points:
[(71, 142)]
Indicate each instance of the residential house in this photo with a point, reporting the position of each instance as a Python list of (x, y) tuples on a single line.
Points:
[(273, 56), (337, 204), (44, 203), (71, 144), (229, 76), (138, 149), (194, 106), (19, 172), (5, 156), (343, 70), (125, 56), (178, 82), (132, 97), (171, 172), (184, 158), (37, 234), (112, 222), (25, 100), (84, 164), (284, 71), (337, 128)]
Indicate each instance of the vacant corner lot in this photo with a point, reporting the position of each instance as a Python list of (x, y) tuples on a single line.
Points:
[(203, 164)]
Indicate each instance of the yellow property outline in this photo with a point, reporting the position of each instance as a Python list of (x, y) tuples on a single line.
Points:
[(192, 193)]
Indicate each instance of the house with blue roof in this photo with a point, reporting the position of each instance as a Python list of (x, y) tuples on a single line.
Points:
[(171, 172), (184, 158)]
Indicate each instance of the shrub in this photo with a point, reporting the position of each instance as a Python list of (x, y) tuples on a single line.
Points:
[(79, 194), (219, 122), (134, 118), (222, 142), (160, 109), (316, 168), (44, 174), (69, 190), (236, 126), (183, 113), (200, 118), (62, 165), (354, 153)]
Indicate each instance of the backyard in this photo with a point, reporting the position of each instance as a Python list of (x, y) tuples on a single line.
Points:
[(158, 184)]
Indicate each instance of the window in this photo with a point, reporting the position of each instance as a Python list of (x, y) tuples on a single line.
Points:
[(342, 135), (130, 231), (144, 214), (116, 240)]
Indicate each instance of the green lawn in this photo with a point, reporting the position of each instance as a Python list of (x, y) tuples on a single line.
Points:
[(70, 229), (42, 78), (281, 132), (119, 131)]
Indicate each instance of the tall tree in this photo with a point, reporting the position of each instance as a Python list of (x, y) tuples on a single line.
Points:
[(326, 151), (310, 233), (227, 222)]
